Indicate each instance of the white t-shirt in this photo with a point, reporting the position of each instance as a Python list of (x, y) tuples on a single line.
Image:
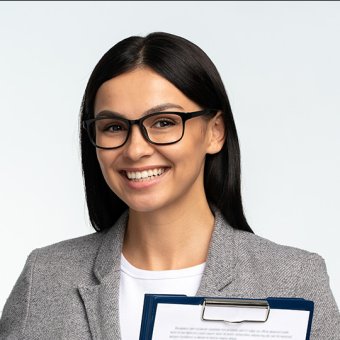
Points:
[(135, 282)]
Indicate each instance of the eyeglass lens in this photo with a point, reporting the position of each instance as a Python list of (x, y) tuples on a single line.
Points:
[(162, 128)]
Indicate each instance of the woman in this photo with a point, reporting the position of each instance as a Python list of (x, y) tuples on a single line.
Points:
[(161, 166)]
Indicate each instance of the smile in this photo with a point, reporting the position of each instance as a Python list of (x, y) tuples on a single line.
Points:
[(146, 175)]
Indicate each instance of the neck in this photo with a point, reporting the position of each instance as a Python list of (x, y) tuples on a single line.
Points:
[(174, 237)]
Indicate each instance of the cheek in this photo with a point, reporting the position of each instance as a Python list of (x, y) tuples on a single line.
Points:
[(193, 144), (101, 159), (186, 155), (105, 160)]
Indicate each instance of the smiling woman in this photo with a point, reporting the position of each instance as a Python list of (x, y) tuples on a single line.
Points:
[(161, 167)]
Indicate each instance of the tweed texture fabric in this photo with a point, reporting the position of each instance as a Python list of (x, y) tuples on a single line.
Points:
[(70, 290)]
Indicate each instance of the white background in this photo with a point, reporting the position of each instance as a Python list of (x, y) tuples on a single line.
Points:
[(280, 62)]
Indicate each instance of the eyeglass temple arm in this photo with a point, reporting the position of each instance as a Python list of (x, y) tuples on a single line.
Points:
[(200, 113)]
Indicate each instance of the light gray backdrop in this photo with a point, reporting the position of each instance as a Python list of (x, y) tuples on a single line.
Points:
[(280, 64)]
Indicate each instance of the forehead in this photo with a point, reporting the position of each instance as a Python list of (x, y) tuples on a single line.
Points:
[(135, 92)]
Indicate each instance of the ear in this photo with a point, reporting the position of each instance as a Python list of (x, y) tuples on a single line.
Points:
[(216, 134)]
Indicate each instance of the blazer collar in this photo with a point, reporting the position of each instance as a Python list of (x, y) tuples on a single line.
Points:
[(102, 300), (220, 265), (108, 258)]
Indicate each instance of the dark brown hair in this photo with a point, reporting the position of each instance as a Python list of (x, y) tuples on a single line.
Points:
[(187, 67)]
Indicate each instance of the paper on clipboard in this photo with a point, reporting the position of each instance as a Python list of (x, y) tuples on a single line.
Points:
[(187, 324), (190, 318)]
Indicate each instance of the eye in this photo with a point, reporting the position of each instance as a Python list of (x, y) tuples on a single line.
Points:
[(163, 123), (111, 126), (114, 128)]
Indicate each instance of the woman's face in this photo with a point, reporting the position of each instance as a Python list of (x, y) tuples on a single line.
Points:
[(176, 170)]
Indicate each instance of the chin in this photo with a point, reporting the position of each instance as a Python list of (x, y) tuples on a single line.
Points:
[(140, 208), (146, 205)]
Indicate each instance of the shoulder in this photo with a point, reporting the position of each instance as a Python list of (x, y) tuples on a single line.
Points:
[(79, 245), (259, 249), (83, 246), (283, 265), (75, 261), (265, 249), (255, 258), (72, 258), (252, 250)]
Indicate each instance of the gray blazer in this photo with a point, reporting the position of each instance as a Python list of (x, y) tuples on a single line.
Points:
[(70, 290)]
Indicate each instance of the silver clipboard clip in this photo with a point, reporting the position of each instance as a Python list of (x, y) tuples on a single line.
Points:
[(258, 310)]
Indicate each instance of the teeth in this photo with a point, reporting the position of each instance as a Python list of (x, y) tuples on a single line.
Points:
[(144, 175)]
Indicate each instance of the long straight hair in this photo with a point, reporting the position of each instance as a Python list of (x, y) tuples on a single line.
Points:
[(188, 68)]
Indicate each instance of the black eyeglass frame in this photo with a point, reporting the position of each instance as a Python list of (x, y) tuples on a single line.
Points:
[(184, 116)]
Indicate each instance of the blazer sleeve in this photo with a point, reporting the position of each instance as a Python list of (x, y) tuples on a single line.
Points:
[(15, 313), (314, 285)]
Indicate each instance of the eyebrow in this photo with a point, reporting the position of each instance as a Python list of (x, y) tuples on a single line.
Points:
[(157, 108)]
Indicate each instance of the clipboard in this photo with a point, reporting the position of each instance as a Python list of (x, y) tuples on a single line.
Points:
[(192, 317)]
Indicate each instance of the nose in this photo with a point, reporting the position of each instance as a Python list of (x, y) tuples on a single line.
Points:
[(137, 146)]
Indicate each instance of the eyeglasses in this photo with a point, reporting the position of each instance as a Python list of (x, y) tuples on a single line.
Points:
[(160, 128)]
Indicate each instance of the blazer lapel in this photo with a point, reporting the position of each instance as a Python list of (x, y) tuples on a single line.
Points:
[(219, 271), (101, 300)]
